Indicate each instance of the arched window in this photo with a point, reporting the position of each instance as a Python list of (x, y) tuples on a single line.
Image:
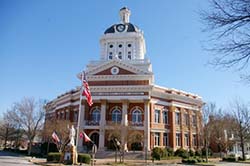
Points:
[(136, 116), (116, 115), (96, 116)]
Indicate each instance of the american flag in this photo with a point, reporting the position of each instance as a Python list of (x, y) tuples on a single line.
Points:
[(85, 90), (86, 137), (55, 137)]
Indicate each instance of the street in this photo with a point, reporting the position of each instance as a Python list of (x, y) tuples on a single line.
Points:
[(12, 159)]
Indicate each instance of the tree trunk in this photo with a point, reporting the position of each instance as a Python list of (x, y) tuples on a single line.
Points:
[(242, 147), (30, 147), (6, 137), (206, 149)]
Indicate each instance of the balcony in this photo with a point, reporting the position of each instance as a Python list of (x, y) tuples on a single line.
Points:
[(139, 124), (112, 123), (92, 123)]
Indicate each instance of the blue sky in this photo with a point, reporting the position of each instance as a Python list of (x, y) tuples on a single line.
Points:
[(44, 44)]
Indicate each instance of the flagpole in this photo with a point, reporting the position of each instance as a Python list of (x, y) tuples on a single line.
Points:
[(79, 113)]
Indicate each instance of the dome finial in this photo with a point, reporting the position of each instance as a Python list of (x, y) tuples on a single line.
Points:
[(124, 15)]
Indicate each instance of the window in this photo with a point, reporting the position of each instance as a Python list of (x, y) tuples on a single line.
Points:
[(120, 55), (67, 115), (120, 45), (178, 139), (177, 118), (157, 116), (136, 116), (194, 140), (116, 115), (186, 139), (110, 46), (166, 139), (110, 55), (129, 54), (129, 45), (157, 139), (75, 116), (194, 120), (186, 119), (62, 115), (165, 117), (96, 116)]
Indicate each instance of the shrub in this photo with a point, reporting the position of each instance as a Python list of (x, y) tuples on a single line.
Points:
[(198, 153), (189, 161), (136, 146), (55, 156), (181, 153), (170, 152), (156, 153), (84, 158), (229, 158), (191, 153), (210, 153)]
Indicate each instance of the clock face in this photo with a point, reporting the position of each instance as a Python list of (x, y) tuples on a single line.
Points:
[(120, 28), (114, 70)]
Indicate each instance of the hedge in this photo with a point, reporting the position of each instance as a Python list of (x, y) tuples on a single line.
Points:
[(84, 158), (54, 156)]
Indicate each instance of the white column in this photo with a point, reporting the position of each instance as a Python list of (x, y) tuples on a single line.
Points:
[(146, 125), (81, 122), (124, 124), (102, 125)]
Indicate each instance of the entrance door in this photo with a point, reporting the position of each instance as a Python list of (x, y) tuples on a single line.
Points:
[(95, 138)]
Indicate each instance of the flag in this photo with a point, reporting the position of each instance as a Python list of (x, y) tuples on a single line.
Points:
[(55, 137), (85, 90), (85, 136)]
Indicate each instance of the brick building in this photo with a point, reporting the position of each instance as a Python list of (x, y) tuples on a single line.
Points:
[(127, 103)]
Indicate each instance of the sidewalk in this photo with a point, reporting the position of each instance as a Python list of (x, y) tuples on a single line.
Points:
[(108, 162)]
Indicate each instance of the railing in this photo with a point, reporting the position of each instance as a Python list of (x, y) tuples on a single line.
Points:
[(111, 123), (131, 123), (92, 123)]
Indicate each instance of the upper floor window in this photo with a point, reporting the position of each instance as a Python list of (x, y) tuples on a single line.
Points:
[(194, 121), (129, 54), (186, 119), (75, 116), (129, 45), (67, 115), (194, 140), (165, 117), (116, 115), (96, 116), (120, 55), (120, 45), (157, 116), (111, 46), (136, 116), (177, 118)]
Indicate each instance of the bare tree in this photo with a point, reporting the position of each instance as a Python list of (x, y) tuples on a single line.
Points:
[(229, 23), (29, 115), (208, 112), (61, 128), (8, 130), (241, 113)]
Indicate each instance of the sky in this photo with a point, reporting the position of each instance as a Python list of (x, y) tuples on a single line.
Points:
[(44, 44)]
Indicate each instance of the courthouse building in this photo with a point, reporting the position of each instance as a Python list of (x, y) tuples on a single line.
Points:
[(128, 105)]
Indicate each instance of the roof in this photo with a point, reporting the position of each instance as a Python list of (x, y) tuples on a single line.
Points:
[(130, 28)]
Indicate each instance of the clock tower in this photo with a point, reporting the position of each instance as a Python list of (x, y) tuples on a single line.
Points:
[(123, 41)]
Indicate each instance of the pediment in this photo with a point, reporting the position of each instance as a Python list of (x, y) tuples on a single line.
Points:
[(111, 67)]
